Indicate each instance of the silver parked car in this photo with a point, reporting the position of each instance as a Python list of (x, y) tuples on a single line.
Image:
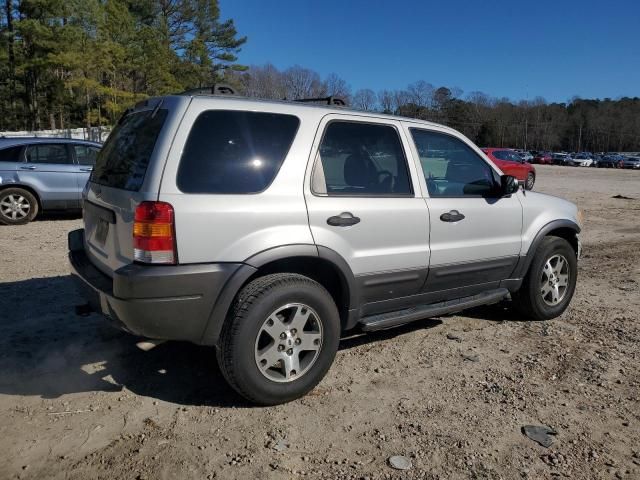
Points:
[(266, 229), (42, 174)]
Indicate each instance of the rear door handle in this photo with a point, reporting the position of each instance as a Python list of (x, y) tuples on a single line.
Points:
[(452, 216), (28, 167), (86, 169), (345, 219)]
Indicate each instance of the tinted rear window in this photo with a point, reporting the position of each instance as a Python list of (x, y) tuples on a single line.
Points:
[(11, 154), (123, 161), (235, 151)]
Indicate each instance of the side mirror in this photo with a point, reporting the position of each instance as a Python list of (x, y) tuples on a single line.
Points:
[(508, 185)]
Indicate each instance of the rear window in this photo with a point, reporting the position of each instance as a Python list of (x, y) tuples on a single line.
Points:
[(123, 161), (234, 151), (11, 154)]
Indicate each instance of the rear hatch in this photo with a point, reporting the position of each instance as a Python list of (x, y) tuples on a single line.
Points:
[(128, 171)]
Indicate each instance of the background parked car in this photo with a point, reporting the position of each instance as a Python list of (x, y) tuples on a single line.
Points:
[(597, 158), (611, 160), (42, 174), (580, 160), (631, 162), (512, 164), (542, 158), (560, 158), (525, 155)]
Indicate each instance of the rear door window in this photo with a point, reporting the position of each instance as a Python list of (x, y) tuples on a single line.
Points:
[(507, 155), (235, 152), (363, 159), (49, 153), (124, 158), (11, 154)]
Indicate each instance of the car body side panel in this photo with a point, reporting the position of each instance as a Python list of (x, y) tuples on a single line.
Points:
[(537, 213), (56, 184), (233, 227), (393, 232)]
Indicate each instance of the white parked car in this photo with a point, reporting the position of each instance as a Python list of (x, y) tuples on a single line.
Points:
[(581, 160), (525, 155)]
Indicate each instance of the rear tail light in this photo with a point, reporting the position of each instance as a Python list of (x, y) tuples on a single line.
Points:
[(154, 238)]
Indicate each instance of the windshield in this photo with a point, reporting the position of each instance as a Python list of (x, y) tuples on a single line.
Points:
[(123, 161)]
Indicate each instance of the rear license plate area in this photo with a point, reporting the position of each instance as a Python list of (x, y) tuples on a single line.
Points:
[(102, 230)]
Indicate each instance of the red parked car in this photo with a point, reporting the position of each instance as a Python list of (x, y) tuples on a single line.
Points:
[(512, 164), (543, 158)]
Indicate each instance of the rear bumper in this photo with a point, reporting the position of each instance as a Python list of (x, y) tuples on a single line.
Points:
[(173, 302)]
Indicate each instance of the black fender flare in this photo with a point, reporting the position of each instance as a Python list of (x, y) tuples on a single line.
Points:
[(525, 260), (252, 264)]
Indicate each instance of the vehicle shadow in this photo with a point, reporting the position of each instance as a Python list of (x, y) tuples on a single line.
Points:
[(497, 312), (59, 215), (48, 351)]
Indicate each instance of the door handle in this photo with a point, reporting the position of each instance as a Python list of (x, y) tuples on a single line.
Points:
[(452, 216), (28, 167), (345, 219), (86, 169)]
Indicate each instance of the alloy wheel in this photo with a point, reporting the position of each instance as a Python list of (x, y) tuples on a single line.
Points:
[(288, 343), (14, 207), (554, 280)]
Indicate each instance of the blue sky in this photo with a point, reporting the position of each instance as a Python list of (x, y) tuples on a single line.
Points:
[(518, 49)]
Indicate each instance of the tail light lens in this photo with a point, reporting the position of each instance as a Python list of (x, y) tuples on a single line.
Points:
[(154, 238)]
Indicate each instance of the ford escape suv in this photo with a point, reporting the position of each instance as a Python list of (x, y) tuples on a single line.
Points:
[(266, 229)]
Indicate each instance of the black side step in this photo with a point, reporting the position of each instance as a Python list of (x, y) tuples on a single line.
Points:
[(400, 317)]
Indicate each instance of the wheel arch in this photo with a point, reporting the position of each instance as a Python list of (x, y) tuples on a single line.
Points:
[(321, 264), (566, 229), (29, 189)]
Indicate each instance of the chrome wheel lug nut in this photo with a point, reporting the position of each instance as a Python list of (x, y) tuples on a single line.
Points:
[(298, 341), (290, 351), (280, 348), (293, 331), (283, 335)]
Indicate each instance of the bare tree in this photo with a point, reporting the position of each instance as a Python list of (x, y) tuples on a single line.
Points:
[(264, 82), (421, 93), (336, 86), (364, 99), (385, 100), (301, 82)]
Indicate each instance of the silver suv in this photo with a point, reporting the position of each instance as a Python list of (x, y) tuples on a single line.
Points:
[(266, 229)]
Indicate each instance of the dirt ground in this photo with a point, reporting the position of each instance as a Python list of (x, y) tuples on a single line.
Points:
[(79, 400)]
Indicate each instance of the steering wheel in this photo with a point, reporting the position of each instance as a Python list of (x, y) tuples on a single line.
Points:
[(432, 186), (387, 174)]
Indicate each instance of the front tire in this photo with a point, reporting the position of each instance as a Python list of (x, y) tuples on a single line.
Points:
[(279, 339), (17, 206), (549, 284)]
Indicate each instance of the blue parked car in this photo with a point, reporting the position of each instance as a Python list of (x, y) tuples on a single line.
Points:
[(39, 174)]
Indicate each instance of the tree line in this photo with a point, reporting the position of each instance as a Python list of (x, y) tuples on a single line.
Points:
[(69, 63), (578, 125)]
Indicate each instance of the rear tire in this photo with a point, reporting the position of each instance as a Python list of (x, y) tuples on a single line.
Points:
[(279, 339), (530, 181), (549, 284), (17, 206)]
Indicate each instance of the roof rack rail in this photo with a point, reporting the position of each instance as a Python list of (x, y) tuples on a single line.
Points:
[(217, 89), (331, 100)]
